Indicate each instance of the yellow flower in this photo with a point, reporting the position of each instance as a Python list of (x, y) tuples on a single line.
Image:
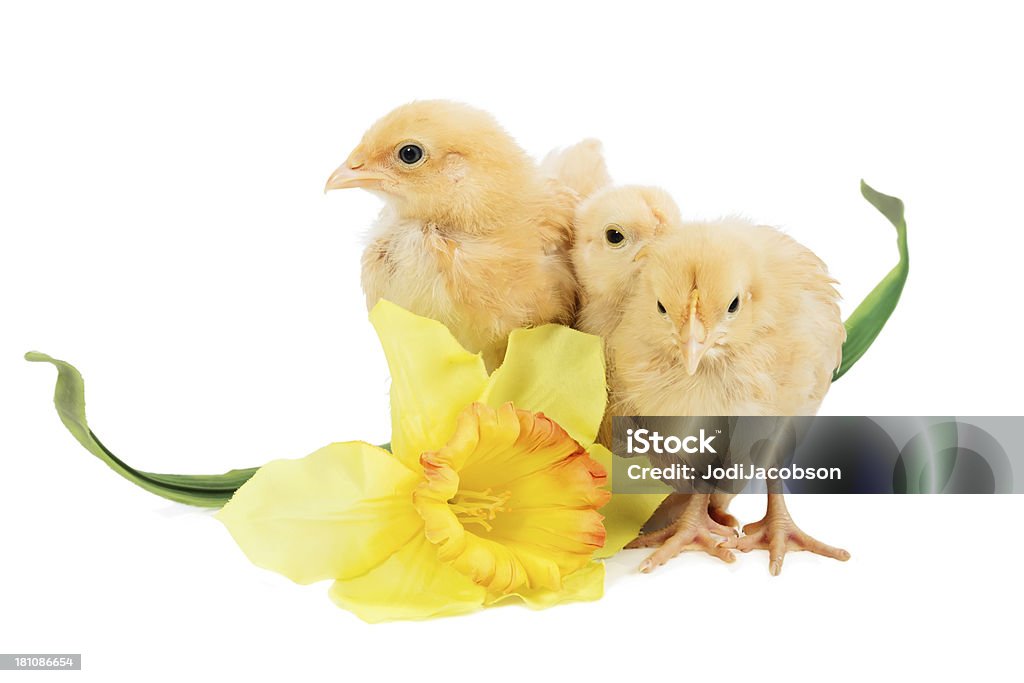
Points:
[(491, 490), (511, 500)]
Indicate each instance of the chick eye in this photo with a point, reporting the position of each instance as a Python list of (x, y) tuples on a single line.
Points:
[(614, 237), (661, 308), (735, 305), (410, 154)]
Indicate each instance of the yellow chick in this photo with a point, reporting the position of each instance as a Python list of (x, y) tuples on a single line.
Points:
[(473, 232), (728, 318), (612, 226)]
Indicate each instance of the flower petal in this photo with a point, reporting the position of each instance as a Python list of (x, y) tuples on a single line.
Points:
[(625, 513), (583, 585), (411, 584), (483, 438), (432, 379), (557, 371), (498, 568), (334, 514), (576, 482), (567, 537), (514, 444)]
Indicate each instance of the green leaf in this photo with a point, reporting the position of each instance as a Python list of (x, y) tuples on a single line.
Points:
[(864, 324), (212, 490)]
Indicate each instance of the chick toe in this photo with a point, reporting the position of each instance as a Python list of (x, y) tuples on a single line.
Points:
[(778, 534), (693, 529)]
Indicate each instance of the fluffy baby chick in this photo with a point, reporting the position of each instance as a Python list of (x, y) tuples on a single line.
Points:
[(612, 227), (728, 318), (473, 233)]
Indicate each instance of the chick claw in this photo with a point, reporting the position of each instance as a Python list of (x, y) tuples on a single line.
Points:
[(777, 534), (692, 530)]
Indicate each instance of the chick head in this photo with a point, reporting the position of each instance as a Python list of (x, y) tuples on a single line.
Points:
[(436, 160), (701, 295), (611, 229)]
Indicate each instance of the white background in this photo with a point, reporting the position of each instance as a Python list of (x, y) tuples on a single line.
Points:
[(163, 228)]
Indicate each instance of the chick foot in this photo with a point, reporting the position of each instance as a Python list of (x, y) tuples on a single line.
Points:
[(672, 508), (777, 534), (693, 529)]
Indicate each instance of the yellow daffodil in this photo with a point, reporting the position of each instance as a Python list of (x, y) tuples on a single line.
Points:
[(491, 491)]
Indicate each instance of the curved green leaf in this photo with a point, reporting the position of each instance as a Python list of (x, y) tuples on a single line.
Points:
[(864, 324), (192, 489)]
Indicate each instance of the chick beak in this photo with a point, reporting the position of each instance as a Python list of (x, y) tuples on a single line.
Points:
[(696, 333), (351, 174)]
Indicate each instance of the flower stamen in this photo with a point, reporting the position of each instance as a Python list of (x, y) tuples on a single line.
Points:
[(478, 507)]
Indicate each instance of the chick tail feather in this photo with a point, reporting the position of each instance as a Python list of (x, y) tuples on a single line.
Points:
[(581, 167)]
